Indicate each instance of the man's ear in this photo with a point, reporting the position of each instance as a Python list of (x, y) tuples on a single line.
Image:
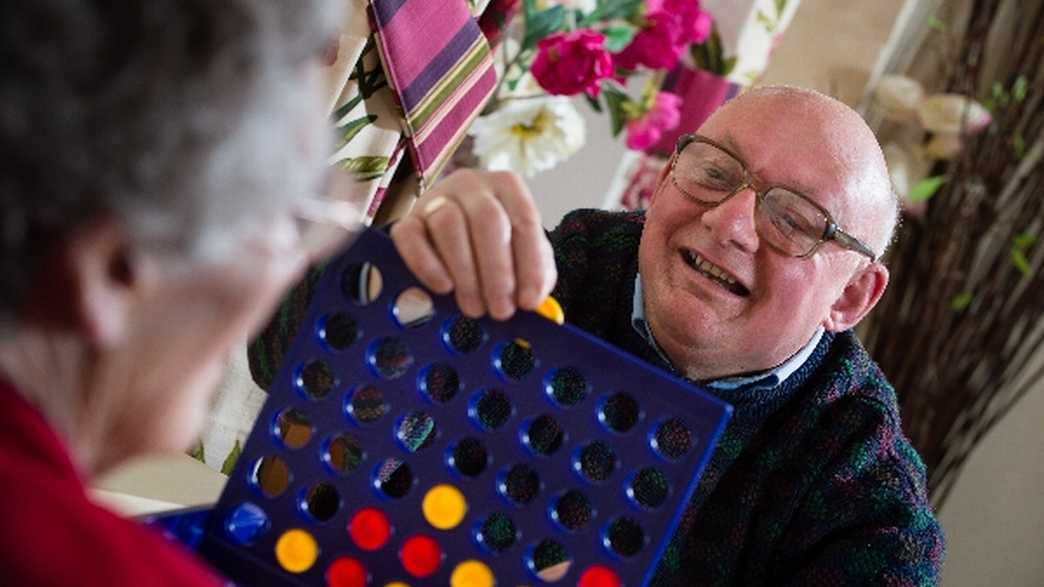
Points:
[(860, 296), (97, 266)]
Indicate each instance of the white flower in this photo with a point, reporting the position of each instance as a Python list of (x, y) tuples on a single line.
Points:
[(907, 166), (528, 135), (584, 6), (898, 97), (944, 145), (944, 112)]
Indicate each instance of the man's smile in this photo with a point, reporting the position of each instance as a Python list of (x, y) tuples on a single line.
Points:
[(714, 273)]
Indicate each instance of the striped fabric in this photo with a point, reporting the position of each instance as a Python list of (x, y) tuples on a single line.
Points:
[(441, 69)]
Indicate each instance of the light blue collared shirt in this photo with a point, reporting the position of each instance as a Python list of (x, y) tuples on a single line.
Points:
[(764, 380)]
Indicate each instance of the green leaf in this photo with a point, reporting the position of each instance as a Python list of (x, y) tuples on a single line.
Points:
[(1018, 145), (230, 461), (926, 188), (781, 5), (1019, 88), (617, 37), (365, 168), (708, 54), (1000, 96), (543, 24), (1018, 258), (594, 103), (347, 107), (728, 66), (961, 301), (935, 23), (197, 453), (616, 102), (529, 8), (353, 127), (1024, 240), (611, 10)]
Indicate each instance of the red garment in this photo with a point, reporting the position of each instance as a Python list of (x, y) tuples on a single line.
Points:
[(52, 535)]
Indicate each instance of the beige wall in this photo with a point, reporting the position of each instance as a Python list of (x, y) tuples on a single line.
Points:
[(994, 519), (832, 46)]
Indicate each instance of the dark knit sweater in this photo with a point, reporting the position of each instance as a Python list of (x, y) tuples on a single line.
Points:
[(812, 483)]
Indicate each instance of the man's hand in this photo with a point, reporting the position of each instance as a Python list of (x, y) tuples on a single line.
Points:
[(478, 234)]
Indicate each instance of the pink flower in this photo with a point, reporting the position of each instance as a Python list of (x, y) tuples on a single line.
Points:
[(658, 45), (670, 26), (695, 23), (645, 131), (569, 63)]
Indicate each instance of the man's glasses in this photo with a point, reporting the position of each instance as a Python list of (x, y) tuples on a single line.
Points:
[(787, 221)]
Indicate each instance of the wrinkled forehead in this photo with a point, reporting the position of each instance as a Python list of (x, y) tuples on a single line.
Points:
[(808, 146)]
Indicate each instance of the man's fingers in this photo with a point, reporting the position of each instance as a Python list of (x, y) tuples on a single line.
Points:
[(410, 236), (534, 263), (491, 238), (448, 229)]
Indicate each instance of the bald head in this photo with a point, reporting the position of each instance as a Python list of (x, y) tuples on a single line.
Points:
[(835, 137)]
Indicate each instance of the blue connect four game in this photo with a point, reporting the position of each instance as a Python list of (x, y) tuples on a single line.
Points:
[(404, 444)]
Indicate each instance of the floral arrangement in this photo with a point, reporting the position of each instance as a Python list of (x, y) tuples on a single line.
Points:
[(935, 128), (562, 50)]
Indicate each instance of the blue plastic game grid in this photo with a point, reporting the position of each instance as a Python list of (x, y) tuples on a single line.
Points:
[(320, 382)]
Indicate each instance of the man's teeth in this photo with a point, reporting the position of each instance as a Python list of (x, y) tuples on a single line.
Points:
[(706, 266)]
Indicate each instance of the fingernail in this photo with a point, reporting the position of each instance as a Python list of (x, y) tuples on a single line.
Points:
[(501, 309), (529, 298)]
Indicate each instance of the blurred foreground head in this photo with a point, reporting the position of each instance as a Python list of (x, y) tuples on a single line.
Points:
[(155, 156)]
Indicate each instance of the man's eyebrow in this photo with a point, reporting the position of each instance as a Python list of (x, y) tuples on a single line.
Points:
[(728, 142)]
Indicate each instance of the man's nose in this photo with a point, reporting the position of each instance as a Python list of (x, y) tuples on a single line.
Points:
[(732, 222)]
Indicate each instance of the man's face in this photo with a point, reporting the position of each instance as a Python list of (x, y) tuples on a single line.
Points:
[(708, 330)]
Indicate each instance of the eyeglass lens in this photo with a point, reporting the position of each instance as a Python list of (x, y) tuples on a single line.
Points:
[(783, 218)]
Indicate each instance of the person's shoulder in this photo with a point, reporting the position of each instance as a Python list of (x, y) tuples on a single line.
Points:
[(593, 222), (54, 536), (854, 403), (849, 373)]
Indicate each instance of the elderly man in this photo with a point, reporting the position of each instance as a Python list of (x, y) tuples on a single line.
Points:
[(758, 255)]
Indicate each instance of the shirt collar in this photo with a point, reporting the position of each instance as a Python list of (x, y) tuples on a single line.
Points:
[(763, 380)]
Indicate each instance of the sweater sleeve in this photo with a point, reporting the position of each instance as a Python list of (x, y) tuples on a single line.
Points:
[(570, 241), (866, 521), (265, 352)]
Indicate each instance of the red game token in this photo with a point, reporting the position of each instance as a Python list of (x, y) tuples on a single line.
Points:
[(346, 572), (369, 529), (420, 556), (598, 576)]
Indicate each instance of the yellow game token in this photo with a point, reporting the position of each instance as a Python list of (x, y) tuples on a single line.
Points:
[(472, 573), (444, 507), (296, 550), (397, 584), (550, 309)]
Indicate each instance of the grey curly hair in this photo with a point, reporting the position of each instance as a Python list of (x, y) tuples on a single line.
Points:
[(179, 117)]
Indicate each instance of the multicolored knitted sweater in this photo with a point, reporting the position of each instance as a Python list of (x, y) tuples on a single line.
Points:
[(812, 483)]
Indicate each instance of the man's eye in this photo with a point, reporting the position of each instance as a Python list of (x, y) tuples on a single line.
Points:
[(791, 223), (713, 177)]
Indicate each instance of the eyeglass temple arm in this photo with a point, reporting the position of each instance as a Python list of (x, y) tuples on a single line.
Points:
[(848, 241)]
